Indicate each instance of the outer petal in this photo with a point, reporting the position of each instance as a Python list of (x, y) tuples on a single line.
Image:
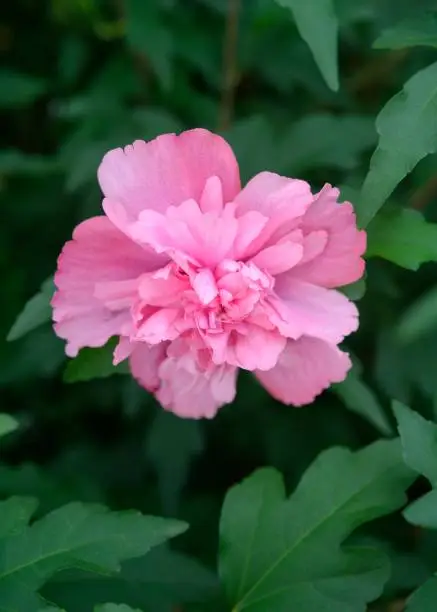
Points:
[(193, 393), (339, 262), (257, 349), (144, 363), (165, 171), (282, 200), (88, 267), (305, 368), (307, 310)]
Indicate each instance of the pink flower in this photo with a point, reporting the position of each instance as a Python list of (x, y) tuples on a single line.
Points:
[(198, 277)]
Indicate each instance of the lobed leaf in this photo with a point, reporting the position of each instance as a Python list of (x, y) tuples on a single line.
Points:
[(419, 443), (87, 537), (288, 554), (158, 581)]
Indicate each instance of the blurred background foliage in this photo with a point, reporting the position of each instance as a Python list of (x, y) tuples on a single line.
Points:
[(82, 76)]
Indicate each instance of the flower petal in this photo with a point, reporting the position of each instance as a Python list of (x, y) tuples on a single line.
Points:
[(123, 350), (165, 172), (303, 309), (203, 238), (339, 262), (193, 393), (93, 282), (305, 368), (144, 364), (278, 258), (258, 349), (282, 200)]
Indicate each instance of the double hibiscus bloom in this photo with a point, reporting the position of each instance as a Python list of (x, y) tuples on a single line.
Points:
[(198, 277)]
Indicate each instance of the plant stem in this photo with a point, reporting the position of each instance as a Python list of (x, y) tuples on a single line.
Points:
[(229, 65)]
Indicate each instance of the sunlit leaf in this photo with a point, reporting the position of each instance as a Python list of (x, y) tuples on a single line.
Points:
[(94, 363), (7, 424), (402, 236)]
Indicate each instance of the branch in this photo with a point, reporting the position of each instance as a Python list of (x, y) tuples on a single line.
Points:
[(229, 65), (424, 194)]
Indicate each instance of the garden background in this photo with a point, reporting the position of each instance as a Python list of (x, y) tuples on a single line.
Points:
[(80, 77)]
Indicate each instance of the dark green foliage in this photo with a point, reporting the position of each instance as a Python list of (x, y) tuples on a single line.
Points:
[(318, 86)]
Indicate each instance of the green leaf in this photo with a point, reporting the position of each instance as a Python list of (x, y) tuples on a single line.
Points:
[(17, 89), (360, 398), (87, 537), (411, 32), (279, 554), (318, 26), (423, 511), (355, 291), (7, 424), (171, 445), (425, 598), (420, 318), (94, 363), (419, 441), (158, 581), (402, 236), (15, 514), (313, 142), (407, 133), (109, 607), (36, 312)]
